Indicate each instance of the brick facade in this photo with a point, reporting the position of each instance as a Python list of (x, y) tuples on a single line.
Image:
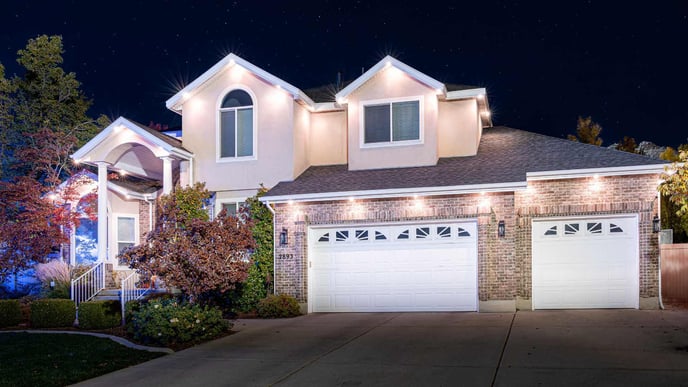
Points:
[(504, 264)]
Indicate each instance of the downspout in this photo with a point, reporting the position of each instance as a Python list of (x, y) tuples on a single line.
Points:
[(659, 245), (274, 245)]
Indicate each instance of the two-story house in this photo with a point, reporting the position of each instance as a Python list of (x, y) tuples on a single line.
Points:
[(395, 193)]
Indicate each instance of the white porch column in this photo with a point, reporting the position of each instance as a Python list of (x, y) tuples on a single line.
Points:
[(102, 211), (166, 175), (184, 173)]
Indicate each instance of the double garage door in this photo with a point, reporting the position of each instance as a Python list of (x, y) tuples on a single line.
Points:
[(576, 263), (585, 263), (400, 267)]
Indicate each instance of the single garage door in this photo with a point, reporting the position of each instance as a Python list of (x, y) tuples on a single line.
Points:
[(585, 263), (385, 268)]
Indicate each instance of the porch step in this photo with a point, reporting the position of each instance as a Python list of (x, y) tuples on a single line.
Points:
[(114, 293), (107, 294)]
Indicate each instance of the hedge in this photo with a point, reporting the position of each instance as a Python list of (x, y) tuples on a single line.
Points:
[(100, 314), (169, 322), (10, 313), (277, 306), (52, 313)]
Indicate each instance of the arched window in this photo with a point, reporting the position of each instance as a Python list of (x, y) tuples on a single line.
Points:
[(236, 125)]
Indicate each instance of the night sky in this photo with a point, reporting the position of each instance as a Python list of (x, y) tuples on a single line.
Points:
[(543, 65)]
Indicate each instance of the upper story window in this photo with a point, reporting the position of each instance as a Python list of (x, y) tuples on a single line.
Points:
[(393, 122), (236, 130)]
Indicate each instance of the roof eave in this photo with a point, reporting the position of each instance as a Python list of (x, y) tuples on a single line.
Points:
[(385, 63), (176, 101), (592, 172), (398, 192)]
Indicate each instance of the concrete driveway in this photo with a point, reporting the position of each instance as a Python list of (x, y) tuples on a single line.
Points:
[(597, 347)]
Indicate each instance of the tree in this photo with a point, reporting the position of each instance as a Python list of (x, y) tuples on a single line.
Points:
[(259, 282), (190, 252), (669, 154), (675, 184), (43, 119), (587, 131), (627, 144)]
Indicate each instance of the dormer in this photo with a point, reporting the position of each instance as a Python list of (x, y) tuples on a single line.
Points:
[(400, 117)]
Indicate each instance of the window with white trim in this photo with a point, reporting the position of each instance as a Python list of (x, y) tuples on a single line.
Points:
[(126, 232), (231, 207), (236, 126), (391, 122)]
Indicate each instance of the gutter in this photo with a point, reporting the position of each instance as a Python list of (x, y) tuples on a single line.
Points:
[(399, 192)]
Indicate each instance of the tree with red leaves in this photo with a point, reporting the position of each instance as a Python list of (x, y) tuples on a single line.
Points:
[(190, 252), (42, 120)]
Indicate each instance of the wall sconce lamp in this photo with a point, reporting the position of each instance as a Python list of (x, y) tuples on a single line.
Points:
[(501, 229), (656, 225), (283, 237)]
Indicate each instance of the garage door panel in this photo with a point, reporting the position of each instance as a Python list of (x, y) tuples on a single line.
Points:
[(425, 272), (594, 266)]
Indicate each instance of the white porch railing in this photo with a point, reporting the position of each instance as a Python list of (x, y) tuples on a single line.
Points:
[(129, 290), (87, 285)]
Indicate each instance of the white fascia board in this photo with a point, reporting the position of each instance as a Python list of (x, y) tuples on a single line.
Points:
[(128, 193), (468, 93), (578, 173), (326, 107), (382, 65), (175, 102), (123, 122), (397, 192), (100, 137)]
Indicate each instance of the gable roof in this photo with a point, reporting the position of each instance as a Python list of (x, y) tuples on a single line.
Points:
[(176, 101), (382, 65), (506, 159), (168, 144)]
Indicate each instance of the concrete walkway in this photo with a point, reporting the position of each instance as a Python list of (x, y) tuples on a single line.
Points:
[(620, 347)]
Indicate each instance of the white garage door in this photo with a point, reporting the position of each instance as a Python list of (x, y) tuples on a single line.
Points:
[(585, 263), (412, 267)]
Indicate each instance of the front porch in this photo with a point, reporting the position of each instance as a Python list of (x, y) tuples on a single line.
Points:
[(126, 168)]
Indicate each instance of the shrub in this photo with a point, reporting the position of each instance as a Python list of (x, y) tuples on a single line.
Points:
[(277, 306), (169, 322), (252, 291), (100, 314), (52, 313), (57, 272), (10, 313)]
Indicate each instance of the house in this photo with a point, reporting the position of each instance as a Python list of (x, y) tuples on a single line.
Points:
[(396, 193)]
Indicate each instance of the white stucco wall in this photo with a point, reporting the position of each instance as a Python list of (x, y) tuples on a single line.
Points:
[(274, 119), (328, 138), (393, 83), (120, 206), (302, 124), (458, 128)]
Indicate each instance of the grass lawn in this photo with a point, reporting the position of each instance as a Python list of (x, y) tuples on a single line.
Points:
[(28, 359)]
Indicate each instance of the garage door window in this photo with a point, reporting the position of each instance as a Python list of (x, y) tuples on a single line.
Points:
[(591, 228), (380, 234), (552, 231), (595, 228), (571, 228)]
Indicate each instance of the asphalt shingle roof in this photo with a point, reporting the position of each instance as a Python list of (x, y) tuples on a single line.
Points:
[(505, 155), (175, 142)]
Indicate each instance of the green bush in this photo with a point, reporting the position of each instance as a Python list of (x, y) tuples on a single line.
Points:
[(52, 313), (169, 322), (277, 306), (10, 313), (252, 290), (100, 314)]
